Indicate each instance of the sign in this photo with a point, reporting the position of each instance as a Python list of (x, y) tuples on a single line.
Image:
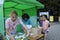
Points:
[(44, 13), (51, 18)]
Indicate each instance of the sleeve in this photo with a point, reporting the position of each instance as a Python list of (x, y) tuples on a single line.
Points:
[(47, 23), (6, 24)]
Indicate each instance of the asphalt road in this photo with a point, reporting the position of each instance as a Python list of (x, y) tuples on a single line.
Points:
[(54, 33)]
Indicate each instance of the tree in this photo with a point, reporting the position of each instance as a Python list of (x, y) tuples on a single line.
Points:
[(53, 5)]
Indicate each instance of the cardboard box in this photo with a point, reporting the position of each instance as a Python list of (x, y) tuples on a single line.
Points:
[(35, 32)]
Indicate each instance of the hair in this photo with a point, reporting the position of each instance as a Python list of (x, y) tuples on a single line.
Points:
[(14, 12), (46, 17), (40, 16), (25, 16)]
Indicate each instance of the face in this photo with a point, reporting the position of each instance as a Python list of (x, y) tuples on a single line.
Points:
[(13, 17), (43, 17), (25, 19)]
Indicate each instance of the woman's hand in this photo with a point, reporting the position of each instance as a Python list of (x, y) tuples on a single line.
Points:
[(12, 38), (28, 34)]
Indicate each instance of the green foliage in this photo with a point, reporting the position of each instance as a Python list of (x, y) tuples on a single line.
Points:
[(53, 5)]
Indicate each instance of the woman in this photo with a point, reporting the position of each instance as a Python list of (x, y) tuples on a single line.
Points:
[(45, 26), (26, 20), (11, 24)]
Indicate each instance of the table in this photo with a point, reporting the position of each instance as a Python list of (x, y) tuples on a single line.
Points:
[(36, 34), (37, 37)]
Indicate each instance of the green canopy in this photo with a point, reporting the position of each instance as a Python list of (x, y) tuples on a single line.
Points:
[(20, 5), (27, 6), (23, 4)]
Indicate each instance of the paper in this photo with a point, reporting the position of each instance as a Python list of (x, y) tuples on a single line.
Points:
[(29, 26)]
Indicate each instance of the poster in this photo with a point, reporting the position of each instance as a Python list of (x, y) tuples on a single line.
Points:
[(51, 18)]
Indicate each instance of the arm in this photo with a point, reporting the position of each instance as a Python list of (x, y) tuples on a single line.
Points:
[(25, 28), (7, 31), (46, 25)]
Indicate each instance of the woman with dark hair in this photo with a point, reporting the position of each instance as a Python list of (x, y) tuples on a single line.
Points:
[(26, 19), (45, 25)]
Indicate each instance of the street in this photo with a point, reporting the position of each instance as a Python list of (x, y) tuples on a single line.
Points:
[(54, 33)]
